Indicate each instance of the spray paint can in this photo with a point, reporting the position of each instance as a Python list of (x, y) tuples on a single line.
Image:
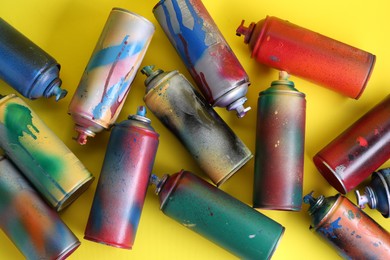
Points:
[(358, 151), (41, 156), (217, 216), (26, 67), (285, 46), (206, 54), (35, 229), (345, 227), (176, 103), (123, 181), (280, 141), (111, 69), (377, 193)]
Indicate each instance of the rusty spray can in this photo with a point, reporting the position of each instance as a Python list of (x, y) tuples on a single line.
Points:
[(41, 156), (208, 57), (123, 181), (110, 71), (217, 216), (280, 141), (176, 103), (330, 63), (35, 229), (358, 151), (345, 227), (26, 67)]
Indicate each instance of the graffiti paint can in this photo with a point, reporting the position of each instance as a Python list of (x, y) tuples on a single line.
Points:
[(217, 216), (123, 181), (41, 156), (345, 227), (206, 54), (176, 103), (358, 151), (280, 141), (35, 229), (312, 56), (26, 67), (110, 71)]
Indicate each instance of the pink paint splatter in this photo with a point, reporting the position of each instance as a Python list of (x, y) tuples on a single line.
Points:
[(362, 141)]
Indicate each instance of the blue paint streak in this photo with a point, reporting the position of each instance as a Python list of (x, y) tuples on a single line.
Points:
[(329, 230)]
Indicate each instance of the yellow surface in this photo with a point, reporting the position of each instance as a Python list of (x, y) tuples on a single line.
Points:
[(69, 29)]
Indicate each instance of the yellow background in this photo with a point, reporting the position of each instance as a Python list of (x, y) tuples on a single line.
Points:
[(69, 29)]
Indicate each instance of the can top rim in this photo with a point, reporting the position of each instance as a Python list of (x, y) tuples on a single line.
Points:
[(120, 9)]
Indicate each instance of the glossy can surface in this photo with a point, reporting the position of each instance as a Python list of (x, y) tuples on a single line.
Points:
[(110, 71)]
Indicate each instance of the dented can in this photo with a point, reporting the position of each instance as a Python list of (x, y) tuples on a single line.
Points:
[(41, 156), (345, 227), (358, 151), (111, 69), (210, 141), (123, 181), (217, 216), (35, 229), (208, 57), (26, 67), (280, 141)]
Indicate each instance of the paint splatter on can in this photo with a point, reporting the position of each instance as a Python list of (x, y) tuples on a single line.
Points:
[(35, 229), (41, 156), (206, 54), (217, 216), (176, 103), (26, 67), (352, 233), (358, 151), (285, 46), (111, 69), (280, 140), (123, 181)]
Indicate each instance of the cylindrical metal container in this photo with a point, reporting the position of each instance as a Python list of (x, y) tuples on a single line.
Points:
[(217, 216), (206, 54), (40, 155), (280, 141), (213, 145), (123, 181), (345, 227), (35, 229), (358, 151), (26, 67), (377, 193), (285, 46), (111, 69)]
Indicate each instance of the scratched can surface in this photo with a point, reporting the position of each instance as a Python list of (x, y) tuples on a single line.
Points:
[(35, 229), (352, 233), (110, 71), (123, 181), (358, 151), (41, 156), (217, 216), (330, 63), (206, 54), (26, 67), (280, 140), (213, 145)]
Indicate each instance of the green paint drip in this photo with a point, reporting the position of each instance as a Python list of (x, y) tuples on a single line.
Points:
[(18, 118)]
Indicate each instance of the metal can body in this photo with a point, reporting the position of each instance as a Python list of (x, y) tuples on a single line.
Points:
[(219, 217), (213, 145), (123, 181), (285, 46), (26, 67), (40, 155), (206, 54), (280, 140), (352, 233), (111, 69), (358, 151), (35, 229)]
